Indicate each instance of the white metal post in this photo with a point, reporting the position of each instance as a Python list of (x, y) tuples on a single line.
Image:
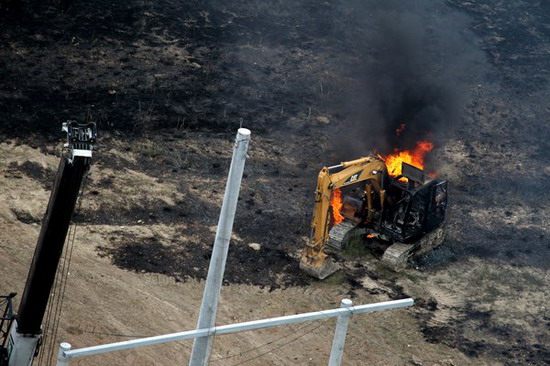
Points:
[(340, 333), (61, 360), (209, 305)]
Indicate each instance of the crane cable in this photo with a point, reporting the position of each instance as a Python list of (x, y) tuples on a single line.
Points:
[(283, 344), (296, 331), (65, 270), (58, 291)]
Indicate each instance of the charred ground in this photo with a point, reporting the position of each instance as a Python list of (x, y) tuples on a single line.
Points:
[(168, 84)]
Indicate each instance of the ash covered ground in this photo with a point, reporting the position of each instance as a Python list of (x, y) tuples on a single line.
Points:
[(168, 84)]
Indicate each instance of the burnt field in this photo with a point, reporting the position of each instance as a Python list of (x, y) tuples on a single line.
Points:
[(169, 83)]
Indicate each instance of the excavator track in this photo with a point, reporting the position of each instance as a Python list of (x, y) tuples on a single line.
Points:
[(429, 242), (398, 254), (338, 233)]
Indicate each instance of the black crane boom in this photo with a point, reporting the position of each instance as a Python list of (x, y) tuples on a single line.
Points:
[(75, 161)]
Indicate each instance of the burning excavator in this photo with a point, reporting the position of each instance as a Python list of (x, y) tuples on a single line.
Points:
[(388, 203)]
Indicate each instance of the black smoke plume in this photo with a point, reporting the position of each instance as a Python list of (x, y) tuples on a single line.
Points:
[(419, 64)]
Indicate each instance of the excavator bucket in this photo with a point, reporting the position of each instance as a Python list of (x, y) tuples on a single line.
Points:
[(319, 271)]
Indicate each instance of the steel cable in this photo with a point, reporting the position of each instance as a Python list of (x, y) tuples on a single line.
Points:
[(49, 311), (385, 349), (307, 324), (282, 345), (58, 292)]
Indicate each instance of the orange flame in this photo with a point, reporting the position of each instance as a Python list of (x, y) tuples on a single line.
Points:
[(414, 157), (336, 204)]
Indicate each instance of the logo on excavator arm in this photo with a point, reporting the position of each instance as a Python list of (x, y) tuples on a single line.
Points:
[(352, 178)]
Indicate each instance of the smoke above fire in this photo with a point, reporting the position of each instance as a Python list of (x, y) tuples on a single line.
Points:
[(419, 63)]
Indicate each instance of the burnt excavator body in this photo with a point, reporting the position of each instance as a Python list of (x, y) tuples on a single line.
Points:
[(403, 215)]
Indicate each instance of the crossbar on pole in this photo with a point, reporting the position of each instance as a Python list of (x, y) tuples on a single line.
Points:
[(234, 328)]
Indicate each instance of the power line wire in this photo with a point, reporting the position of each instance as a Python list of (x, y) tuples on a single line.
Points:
[(121, 335), (384, 348), (282, 345), (307, 324)]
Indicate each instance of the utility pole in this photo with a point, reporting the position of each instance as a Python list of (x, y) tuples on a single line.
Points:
[(210, 299)]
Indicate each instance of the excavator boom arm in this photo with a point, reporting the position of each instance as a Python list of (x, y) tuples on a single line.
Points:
[(359, 170)]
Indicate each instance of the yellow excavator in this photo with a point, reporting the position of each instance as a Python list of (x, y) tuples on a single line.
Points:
[(402, 214)]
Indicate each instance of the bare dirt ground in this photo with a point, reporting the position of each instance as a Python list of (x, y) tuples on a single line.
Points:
[(169, 83)]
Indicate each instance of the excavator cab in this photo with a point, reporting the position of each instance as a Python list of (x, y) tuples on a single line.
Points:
[(414, 207)]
